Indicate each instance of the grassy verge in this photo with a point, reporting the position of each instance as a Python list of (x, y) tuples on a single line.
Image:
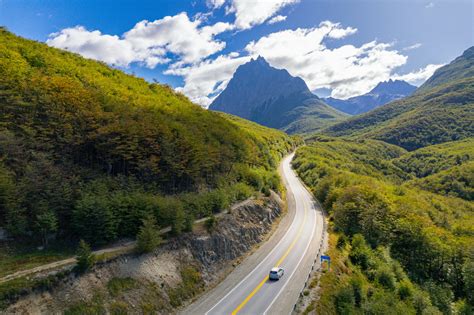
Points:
[(17, 257)]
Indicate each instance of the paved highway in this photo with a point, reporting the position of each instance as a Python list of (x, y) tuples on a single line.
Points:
[(293, 246)]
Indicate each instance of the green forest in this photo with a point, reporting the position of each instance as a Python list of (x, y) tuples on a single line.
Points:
[(441, 110), (87, 151), (402, 225)]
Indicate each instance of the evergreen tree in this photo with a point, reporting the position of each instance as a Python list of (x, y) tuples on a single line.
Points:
[(85, 258), (148, 237), (46, 224)]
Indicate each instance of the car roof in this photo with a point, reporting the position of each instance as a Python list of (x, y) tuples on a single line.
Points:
[(275, 268)]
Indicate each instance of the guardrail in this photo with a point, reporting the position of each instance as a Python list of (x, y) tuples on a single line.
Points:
[(317, 259)]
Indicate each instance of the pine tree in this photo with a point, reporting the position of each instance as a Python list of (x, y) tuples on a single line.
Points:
[(148, 237), (46, 223), (85, 258)]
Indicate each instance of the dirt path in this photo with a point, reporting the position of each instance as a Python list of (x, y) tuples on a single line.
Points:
[(124, 247)]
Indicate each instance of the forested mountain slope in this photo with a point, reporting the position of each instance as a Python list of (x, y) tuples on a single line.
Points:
[(86, 150), (401, 225), (434, 115), (459, 68)]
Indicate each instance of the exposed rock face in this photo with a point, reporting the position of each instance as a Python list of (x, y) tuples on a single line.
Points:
[(211, 254), (236, 233), (274, 98)]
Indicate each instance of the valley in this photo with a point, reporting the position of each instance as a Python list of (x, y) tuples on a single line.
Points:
[(223, 189)]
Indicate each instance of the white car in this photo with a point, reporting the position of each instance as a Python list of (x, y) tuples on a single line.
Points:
[(276, 273)]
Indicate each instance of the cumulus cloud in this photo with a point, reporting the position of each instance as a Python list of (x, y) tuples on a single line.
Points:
[(107, 48), (147, 42), (347, 70), (178, 35), (276, 19), (251, 13), (205, 80), (419, 76)]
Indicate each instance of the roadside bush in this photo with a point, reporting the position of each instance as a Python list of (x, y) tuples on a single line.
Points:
[(360, 254), (85, 258), (344, 300), (148, 238), (211, 223), (241, 191), (191, 284), (118, 285)]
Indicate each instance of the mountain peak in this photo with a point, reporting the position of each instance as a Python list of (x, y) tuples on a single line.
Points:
[(259, 61), (393, 87), (269, 96)]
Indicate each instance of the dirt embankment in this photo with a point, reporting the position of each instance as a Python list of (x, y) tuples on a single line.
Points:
[(162, 281)]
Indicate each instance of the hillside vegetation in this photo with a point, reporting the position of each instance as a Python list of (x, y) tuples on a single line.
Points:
[(440, 111), (401, 225), (459, 68), (88, 151)]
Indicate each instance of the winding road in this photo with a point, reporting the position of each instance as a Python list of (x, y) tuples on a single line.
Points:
[(293, 246)]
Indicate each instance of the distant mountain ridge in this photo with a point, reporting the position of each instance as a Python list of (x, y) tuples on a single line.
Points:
[(274, 98), (383, 93), (440, 111)]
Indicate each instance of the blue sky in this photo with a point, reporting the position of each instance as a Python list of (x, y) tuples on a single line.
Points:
[(345, 47)]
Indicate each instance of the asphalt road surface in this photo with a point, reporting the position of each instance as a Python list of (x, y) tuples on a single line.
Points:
[(293, 246)]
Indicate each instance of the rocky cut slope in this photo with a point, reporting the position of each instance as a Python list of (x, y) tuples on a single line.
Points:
[(162, 281), (274, 98)]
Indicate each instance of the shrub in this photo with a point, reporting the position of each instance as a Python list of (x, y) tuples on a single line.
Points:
[(148, 237), (341, 241), (357, 291), (118, 285), (360, 253), (385, 278), (179, 222), (241, 191), (118, 308), (85, 258), (405, 289), (344, 301), (211, 223)]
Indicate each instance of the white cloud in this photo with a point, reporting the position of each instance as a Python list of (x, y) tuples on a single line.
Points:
[(419, 76), (411, 47), (347, 70), (107, 48), (204, 80), (147, 42), (215, 4), (276, 19), (250, 13), (178, 35)]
